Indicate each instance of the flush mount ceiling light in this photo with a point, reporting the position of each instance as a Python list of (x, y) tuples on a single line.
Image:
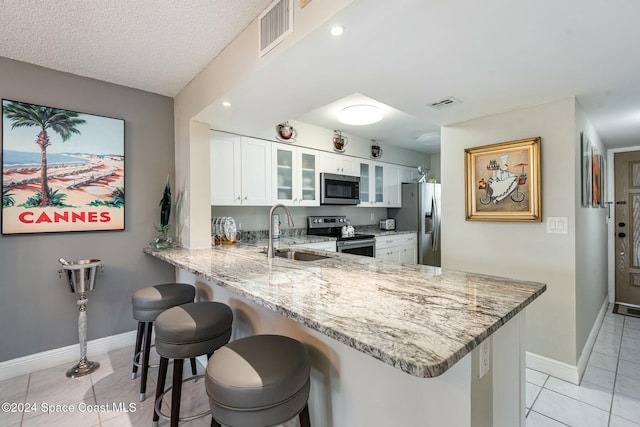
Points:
[(226, 104), (428, 138), (360, 115), (336, 30)]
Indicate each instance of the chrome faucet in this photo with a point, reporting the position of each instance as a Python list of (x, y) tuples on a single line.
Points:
[(271, 252)]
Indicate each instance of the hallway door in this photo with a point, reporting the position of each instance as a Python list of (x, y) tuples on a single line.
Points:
[(627, 227)]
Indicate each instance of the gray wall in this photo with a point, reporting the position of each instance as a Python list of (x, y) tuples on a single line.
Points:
[(37, 311), (591, 243)]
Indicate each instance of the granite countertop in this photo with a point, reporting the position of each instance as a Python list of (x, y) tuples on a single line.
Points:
[(417, 318)]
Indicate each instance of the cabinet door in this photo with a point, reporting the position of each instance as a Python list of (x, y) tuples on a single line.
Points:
[(392, 193), (225, 168), (409, 255), (284, 174), (347, 165), (378, 173), (365, 184), (338, 163), (256, 172), (308, 184), (408, 174)]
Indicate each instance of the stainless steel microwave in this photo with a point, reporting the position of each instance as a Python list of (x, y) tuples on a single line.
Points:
[(339, 189)]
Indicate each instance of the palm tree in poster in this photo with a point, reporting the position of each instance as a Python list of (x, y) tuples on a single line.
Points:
[(65, 123)]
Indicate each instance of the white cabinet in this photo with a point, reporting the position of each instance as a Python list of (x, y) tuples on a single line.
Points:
[(329, 246), (240, 171), (392, 182), (371, 184), (380, 184), (408, 174), (338, 163), (295, 176), (401, 248)]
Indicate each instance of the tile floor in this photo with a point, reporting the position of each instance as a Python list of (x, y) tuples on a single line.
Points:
[(608, 396)]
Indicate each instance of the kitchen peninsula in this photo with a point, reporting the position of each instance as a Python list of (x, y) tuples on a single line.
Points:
[(391, 344)]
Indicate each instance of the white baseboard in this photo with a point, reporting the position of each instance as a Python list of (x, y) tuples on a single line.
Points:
[(70, 354), (553, 367), (591, 340), (565, 371)]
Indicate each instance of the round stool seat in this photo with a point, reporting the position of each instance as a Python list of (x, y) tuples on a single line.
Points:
[(149, 302), (193, 329), (260, 380)]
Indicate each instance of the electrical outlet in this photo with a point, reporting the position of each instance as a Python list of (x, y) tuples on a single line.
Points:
[(371, 216), (485, 357)]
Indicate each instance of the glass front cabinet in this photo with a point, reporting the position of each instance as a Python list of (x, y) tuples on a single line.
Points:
[(295, 176), (371, 184)]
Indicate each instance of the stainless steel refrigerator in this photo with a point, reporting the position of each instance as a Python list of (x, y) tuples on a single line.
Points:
[(420, 211)]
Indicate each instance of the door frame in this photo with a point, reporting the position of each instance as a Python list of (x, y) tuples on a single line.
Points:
[(611, 223)]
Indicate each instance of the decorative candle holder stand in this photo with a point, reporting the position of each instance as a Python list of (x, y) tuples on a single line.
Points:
[(82, 278), (162, 240)]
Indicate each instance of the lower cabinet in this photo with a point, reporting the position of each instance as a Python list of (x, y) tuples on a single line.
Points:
[(401, 248)]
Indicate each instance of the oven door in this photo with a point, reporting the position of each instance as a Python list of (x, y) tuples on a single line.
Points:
[(357, 247)]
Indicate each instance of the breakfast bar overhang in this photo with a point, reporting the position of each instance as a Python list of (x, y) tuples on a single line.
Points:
[(391, 344)]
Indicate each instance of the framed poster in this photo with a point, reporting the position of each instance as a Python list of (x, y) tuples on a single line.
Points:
[(61, 170), (503, 181), (596, 178), (585, 173)]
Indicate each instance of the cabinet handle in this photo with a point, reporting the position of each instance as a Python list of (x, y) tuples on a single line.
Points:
[(238, 198), (245, 198)]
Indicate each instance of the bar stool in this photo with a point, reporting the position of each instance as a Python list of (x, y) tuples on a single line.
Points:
[(183, 332), (147, 304), (259, 381)]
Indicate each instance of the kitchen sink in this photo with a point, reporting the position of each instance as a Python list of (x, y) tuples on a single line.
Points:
[(299, 255)]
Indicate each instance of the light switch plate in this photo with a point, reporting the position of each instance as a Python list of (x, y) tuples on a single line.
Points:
[(557, 225)]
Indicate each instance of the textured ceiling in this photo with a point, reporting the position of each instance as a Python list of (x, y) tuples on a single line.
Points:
[(153, 45)]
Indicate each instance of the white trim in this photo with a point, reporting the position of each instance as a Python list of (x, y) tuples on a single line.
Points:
[(591, 340), (565, 371), (552, 367), (69, 354)]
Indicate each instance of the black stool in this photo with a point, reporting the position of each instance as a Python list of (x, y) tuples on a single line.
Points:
[(259, 381), (184, 332), (147, 304)]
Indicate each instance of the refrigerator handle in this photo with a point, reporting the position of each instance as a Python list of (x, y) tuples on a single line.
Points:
[(436, 224)]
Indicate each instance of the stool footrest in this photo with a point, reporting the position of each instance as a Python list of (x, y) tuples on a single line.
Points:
[(181, 419)]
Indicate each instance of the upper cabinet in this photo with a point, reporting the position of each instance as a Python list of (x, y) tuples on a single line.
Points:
[(295, 176), (408, 174), (337, 163), (392, 183), (255, 172), (379, 184), (240, 170)]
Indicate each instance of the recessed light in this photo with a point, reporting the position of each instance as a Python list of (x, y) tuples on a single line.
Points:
[(226, 104), (336, 30), (360, 115)]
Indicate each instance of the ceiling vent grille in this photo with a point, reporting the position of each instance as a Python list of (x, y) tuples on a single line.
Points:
[(444, 103), (276, 23)]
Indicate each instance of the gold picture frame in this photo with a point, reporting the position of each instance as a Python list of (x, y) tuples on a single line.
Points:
[(502, 181)]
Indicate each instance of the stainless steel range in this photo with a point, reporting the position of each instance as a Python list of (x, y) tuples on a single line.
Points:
[(331, 226)]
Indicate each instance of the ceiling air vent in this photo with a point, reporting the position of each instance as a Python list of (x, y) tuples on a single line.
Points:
[(444, 103), (276, 23)]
